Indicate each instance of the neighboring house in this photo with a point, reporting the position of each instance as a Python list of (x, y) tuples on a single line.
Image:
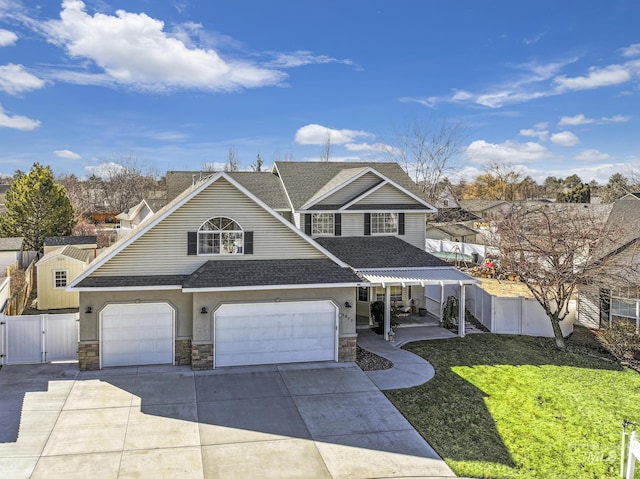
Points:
[(446, 199), (135, 215), (620, 300), (55, 270), (10, 254), (487, 210), (53, 243), (451, 232), (260, 267)]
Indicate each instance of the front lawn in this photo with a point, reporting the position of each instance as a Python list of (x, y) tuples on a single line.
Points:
[(515, 407)]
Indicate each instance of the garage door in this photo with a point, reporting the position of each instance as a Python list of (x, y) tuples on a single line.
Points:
[(269, 333), (137, 334)]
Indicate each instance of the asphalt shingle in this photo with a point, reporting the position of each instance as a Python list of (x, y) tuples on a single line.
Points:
[(378, 252)]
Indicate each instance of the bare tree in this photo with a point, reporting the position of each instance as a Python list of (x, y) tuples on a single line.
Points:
[(124, 183), (257, 166), (325, 154), (232, 162), (553, 249), (427, 150)]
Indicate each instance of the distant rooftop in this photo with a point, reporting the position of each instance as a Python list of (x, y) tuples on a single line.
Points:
[(69, 240)]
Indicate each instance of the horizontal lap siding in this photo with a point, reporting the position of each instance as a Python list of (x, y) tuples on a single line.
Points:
[(163, 250), (352, 224), (352, 190), (414, 229), (387, 194)]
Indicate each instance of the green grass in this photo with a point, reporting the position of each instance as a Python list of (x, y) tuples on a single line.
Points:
[(515, 407)]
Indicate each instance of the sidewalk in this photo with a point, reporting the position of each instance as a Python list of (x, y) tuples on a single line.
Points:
[(408, 369)]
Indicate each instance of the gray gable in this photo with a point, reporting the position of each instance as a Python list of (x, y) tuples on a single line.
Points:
[(11, 244), (378, 252), (302, 180), (225, 274)]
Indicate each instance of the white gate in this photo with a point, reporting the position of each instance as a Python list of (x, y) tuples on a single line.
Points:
[(634, 455), (39, 338)]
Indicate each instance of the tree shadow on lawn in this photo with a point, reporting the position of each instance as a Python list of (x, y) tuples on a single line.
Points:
[(451, 412)]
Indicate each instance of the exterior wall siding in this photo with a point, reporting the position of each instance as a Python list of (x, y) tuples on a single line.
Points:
[(414, 227), (588, 309), (388, 194), (57, 298), (163, 250), (352, 190)]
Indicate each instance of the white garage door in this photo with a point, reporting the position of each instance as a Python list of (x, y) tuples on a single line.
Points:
[(137, 334), (269, 333)]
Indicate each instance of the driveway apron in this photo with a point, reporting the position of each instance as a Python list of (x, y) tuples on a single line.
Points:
[(316, 420)]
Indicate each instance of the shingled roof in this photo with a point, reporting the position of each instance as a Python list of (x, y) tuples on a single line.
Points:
[(303, 179), (378, 252), (11, 244), (230, 274), (69, 240)]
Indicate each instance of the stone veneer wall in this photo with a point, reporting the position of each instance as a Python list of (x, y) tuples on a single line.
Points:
[(347, 349), (201, 356), (88, 355), (183, 352)]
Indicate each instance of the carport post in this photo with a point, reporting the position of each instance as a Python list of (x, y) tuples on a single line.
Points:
[(461, 309), (387, 312)]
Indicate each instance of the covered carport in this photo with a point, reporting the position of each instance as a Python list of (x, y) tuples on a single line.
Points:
[(438, 276)]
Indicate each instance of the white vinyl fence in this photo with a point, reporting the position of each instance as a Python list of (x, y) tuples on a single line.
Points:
[(477, 250), (38, 338), (518, 315)]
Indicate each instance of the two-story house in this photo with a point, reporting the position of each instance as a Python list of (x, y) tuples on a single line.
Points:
[(260, 267)]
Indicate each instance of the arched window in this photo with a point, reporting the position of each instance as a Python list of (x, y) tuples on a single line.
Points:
[(220, 236)]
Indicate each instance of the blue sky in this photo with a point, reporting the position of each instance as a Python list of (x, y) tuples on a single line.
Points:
[(551, 87)]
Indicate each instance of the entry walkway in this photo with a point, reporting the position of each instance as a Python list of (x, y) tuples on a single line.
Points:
[(408, 369)]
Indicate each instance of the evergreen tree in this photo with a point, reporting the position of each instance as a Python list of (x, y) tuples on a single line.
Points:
[(36, 207)]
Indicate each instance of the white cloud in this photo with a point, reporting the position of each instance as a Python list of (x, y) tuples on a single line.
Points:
[(67, 154), (17, 122), (529, 85), (592, 155), (615, 119), (508, 152), (14, 79), (632, 50), (565, 138), (598, 77), (105, 170), (541, 135), (135, 50), (317, 135), (533, 40), (579, 119), (7, 38), (369, 147), (301, 58)]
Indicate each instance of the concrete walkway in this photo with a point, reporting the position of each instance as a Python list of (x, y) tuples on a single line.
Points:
[(315, 420), (408, 369)]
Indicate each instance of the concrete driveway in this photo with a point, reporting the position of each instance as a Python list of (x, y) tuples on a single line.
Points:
[(307, 421)]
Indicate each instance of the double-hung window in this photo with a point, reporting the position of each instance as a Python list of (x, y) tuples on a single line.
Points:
[(395, 293), (322, 224), (384, 223), (220, 236)]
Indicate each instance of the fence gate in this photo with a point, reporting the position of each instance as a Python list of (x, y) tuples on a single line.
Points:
[(38, 338)]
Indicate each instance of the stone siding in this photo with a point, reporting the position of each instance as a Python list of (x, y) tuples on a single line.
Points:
[(88, 355), (347, 349), (202, 356), (183, 352)]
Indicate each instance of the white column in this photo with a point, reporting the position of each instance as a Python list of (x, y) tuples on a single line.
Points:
[(387, 312), (461, 323)]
